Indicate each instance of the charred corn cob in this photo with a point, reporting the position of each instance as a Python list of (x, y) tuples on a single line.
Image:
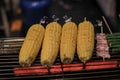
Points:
[(51, 44), (68, 42), (31, 45), (85, 40)]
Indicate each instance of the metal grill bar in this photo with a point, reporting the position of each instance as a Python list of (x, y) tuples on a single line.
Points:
[(95, 77), (68, 77), (6, 70), (9, 61), (10, 45)]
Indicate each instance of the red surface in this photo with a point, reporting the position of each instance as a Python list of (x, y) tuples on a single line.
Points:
[(101, 65), (40, 70)]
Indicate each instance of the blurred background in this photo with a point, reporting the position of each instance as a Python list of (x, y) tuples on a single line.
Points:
[(16, 16)]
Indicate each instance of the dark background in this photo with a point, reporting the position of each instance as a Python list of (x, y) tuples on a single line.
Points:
[(77, 9)]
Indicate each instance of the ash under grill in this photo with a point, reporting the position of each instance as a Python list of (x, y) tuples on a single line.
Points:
[(95, 69)]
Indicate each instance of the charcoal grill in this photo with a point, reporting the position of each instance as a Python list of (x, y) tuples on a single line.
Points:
[(9, 61)]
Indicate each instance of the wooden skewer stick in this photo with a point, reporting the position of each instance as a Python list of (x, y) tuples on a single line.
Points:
[(101, 29), (103, 51), (107, 24), (103, 59), (84, 18)]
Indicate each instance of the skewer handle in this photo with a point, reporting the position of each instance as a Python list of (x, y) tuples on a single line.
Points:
[(107, 24), (101, 29)]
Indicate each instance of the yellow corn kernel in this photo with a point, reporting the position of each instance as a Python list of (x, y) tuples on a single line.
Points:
[(31, 45), (85, 40), (51, 44), (68, 42)]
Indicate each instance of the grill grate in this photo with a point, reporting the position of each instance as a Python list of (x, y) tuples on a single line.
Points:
[(109, 70), (10, 45)]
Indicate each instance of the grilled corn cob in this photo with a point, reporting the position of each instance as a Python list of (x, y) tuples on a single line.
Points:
[(51, 44), (68, 42), (31, 45), (85, 40)]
